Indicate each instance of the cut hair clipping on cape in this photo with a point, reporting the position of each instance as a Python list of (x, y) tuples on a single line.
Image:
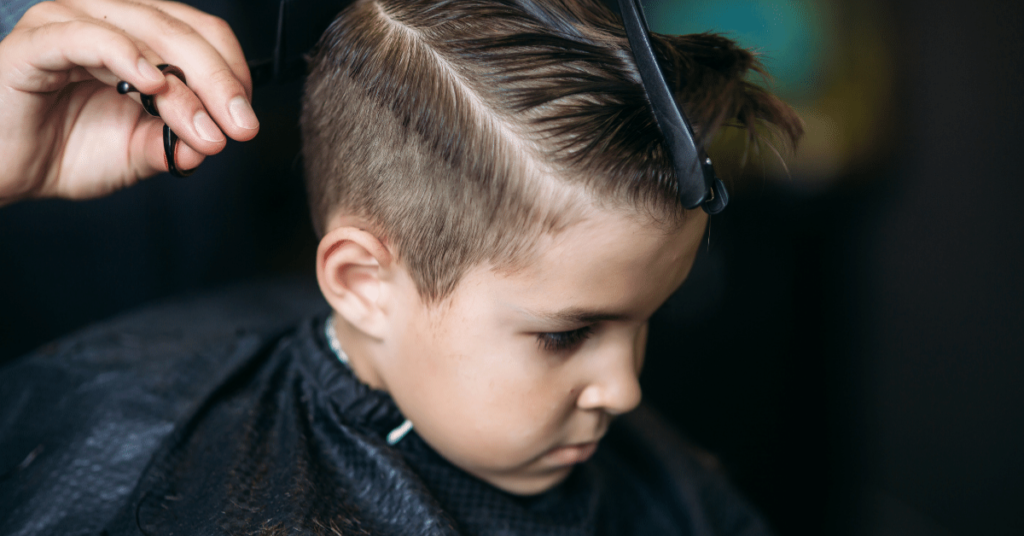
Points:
[(697, 183)]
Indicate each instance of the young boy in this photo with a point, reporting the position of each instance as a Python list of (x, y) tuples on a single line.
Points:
[(499, 219)]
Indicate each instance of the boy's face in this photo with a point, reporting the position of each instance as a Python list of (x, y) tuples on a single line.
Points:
[(516, 377)]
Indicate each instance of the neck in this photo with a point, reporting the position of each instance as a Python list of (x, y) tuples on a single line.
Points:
[(360, 351)]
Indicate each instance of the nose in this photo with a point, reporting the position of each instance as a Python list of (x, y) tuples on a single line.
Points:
[(614, 387)]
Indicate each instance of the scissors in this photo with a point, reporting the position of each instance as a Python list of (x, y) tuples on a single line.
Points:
[(299, 25)]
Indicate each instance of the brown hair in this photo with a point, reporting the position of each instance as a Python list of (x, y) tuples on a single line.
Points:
[(463, 128)]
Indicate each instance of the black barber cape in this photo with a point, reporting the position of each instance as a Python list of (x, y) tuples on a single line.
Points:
[(229, 414)]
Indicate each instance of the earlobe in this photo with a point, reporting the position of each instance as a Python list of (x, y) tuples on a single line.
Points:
[(352, 268)]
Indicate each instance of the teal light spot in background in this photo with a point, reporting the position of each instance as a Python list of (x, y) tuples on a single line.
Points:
[(789, 34)]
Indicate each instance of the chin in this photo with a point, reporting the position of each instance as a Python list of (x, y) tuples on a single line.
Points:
[(529, 485)]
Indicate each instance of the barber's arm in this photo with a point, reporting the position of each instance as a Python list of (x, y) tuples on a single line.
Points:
[(65, 131)]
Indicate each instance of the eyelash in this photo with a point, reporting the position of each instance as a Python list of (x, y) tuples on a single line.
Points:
[(564, 340)]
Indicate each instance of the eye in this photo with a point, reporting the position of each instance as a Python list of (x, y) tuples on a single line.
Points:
[(564, 340)]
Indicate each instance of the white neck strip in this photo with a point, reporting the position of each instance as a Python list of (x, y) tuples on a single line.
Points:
[(401, 430)]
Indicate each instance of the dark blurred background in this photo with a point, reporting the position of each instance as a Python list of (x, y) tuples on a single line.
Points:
[(849, 344)]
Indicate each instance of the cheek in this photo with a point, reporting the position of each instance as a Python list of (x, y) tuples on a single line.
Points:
[(481, 402), (477, 391)]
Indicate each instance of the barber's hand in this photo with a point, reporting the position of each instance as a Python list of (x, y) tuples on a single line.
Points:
[(64, 129)]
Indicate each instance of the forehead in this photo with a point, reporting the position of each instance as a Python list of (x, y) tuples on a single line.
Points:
[(608, 262)]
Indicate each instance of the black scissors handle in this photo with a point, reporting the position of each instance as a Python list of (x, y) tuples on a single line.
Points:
[(149, 104)]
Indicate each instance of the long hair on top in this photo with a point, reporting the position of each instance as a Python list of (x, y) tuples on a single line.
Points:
[(460, 129)]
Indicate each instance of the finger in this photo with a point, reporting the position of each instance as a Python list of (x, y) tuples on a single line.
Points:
[(44, 57), (185, 114), (51, 12), (209, 75), (111, 79), (217, 32), (148, 157)]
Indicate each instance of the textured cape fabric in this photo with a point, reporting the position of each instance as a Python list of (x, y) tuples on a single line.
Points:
[(228, 414)]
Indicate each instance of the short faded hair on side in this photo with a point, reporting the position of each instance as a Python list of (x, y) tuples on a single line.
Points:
[(462, 129)]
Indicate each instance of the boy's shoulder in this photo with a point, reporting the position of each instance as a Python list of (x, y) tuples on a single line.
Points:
[(80, 418)]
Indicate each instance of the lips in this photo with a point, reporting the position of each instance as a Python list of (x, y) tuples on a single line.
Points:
[(572, 454)]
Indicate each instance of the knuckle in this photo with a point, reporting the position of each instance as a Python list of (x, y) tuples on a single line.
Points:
[(74, 25), (94, 29), (41, 11), (225, 77), (178, 5), (107, 38), (84, 28), (171, 26), (216, 25), (48, 12)]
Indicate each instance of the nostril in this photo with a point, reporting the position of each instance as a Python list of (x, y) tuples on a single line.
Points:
[(614, 396), (626, 399)]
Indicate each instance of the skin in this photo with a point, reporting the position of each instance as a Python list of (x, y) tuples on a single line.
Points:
[(64, 129), (474, 374)]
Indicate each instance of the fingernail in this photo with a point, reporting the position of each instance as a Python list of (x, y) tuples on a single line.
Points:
[(206, 127), (242, 114), (148, 71)]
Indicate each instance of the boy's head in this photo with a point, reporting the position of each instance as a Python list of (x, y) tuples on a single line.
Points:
[(500, 216)]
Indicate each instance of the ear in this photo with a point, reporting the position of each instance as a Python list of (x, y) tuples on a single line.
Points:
[(353, 268)]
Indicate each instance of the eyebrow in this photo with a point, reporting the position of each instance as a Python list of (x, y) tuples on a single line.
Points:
[(577, 315)]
